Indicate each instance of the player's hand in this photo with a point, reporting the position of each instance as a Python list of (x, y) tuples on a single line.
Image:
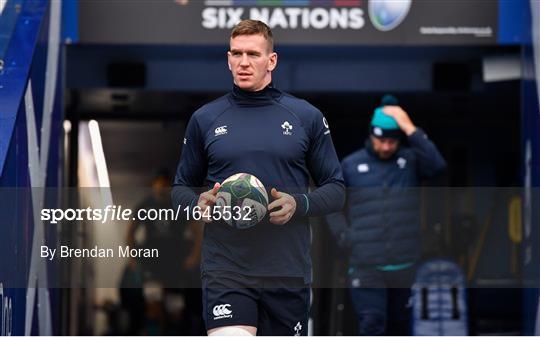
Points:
[(286, 207), (401, 117), (206, 201)]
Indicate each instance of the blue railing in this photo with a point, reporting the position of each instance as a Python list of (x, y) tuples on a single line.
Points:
[(30, 156), (9, 11), (17, 56)]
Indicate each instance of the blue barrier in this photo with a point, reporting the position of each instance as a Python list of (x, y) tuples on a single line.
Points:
[(30, 151), (8, 16)]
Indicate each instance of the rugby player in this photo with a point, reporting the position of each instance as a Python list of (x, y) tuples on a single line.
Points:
[(256, 280)]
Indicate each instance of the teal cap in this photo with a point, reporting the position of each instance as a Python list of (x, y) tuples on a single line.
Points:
[(383, 125), (383, 121)]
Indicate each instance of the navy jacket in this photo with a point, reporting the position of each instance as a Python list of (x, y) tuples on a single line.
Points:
[(280, 139), (381, 222)]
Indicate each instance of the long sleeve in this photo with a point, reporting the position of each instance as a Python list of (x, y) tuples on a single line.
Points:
[(192, 168), (324, 167), (337, 222)]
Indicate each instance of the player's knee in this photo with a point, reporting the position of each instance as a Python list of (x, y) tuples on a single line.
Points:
[(231, 331)]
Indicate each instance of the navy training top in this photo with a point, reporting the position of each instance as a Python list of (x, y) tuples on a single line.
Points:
[(281, 140)]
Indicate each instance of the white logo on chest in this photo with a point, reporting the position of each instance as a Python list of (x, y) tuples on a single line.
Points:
[(363, 168), (220, 130), (402, 162), (287, 127)]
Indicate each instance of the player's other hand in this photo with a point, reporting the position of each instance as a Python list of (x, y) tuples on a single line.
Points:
[(206, 201), (401, 117), (284, 205)]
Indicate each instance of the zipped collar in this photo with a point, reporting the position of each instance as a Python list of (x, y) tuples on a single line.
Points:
[(262, 97)]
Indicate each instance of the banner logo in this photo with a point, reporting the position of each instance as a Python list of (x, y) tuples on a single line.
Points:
[(285, 14), (388, 14)]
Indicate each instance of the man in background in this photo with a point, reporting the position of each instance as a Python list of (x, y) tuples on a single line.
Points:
[(381, 221)]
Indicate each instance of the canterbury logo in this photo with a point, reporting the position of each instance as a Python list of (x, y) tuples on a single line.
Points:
[(222, 311), (220, 130)]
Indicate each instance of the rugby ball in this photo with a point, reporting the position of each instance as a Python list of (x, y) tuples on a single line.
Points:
[(241, 201)]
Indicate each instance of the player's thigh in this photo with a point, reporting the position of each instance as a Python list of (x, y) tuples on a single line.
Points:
[(235, 330), (284, 311)]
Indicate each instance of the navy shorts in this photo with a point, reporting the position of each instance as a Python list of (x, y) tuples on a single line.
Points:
[(275, 306)]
